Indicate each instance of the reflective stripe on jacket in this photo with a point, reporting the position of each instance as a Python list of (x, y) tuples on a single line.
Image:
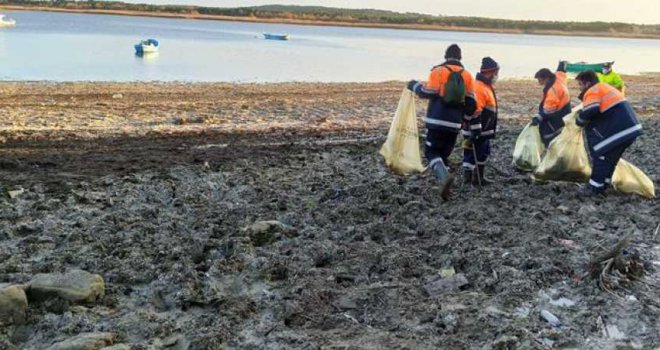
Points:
[(439, 115), (609, 118)]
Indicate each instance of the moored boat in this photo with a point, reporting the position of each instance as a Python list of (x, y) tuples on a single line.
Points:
[(6, 22), (146, 46), (271, 36)]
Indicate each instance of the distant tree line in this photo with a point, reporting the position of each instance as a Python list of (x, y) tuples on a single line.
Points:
[(355, 16)]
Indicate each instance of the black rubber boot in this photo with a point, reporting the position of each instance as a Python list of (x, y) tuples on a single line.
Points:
[(590, 192), (445, 187), (468, 176), (445, 179)]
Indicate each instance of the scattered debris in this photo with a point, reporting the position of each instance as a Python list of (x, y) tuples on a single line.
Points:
[(550, 318), (614, 333), (15, 193), (562, 302), (567, 243), (445, 273), (505, 342), (617, 267), (85, 341)]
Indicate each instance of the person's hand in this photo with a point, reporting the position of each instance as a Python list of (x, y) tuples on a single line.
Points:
[(536, 120), (475, 135), (411, 85), (562, 66), (580, 122), (582, 93)]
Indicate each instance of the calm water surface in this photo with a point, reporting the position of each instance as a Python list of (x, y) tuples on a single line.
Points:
[(74, 47)]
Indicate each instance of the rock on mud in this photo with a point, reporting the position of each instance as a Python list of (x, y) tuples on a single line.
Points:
[(76, 286), (266, 232), (445, 285), (505, 342), (117, 347), (175, 342), (183, 120), (85, 341), (13, 305)]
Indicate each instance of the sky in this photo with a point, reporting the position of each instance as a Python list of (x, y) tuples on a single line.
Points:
[(631, 11)]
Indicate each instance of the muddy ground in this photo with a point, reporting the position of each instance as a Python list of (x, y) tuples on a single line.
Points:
[(154, 186)]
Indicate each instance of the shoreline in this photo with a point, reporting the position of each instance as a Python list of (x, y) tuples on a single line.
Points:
[(626, 77), (98, 109), (328, 23)]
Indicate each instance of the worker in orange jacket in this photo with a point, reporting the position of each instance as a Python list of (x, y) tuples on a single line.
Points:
[(450, 91), (478, 144), (556, 102), (611, 126)]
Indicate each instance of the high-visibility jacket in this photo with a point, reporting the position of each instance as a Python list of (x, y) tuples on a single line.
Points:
[(486, 113), (555, 105), (613, 79), (609, 118), (440, 116)]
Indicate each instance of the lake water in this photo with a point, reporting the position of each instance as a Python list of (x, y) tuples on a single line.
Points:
[(74, 47)]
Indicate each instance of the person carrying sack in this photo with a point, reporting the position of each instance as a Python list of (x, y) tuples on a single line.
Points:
[(477, 142), (556, 102), (611, 126), (450, 91)]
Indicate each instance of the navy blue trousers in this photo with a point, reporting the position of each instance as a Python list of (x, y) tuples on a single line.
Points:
[(439, 145), (604, 166), (482, 149)]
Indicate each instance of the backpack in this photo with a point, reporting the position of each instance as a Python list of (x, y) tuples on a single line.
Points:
[(454, 93)]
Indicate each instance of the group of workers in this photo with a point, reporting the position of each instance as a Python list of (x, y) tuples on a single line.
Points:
[(461, 103)]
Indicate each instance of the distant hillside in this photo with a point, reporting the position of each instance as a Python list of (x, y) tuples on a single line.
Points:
[(363, 17)]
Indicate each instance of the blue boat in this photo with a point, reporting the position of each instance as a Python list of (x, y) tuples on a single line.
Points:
[(270, 36), (146, 46)]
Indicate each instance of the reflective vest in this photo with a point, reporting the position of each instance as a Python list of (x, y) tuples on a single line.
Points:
[(440, 116), (613, 79), (486, 113), (557, 96), (609, 118), (555, 105)]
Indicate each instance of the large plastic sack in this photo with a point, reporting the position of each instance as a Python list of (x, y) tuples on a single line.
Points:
[(401, 149), (567, 158), (628, 178), (528, 149)]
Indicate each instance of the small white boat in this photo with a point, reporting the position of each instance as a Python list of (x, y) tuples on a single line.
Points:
[(271, 36), (6, 22), (146, 46)]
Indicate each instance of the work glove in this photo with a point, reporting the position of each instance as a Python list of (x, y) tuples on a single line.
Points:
[(562, 66), (580, 122), (475, 135), (582, 93), (411, 85), (536, 121), (467, 145)]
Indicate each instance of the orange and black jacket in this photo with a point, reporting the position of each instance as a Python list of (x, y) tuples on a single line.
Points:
[(440, 116), (555, 105), (608, 118), (486, 113)]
